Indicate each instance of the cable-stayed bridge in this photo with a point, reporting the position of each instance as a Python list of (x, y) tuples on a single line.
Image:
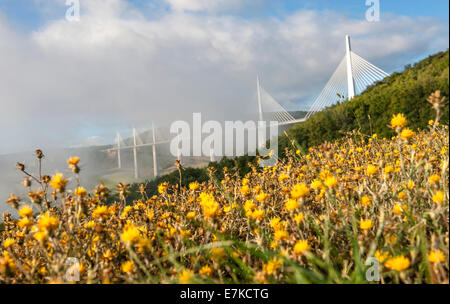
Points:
[(352, 76)]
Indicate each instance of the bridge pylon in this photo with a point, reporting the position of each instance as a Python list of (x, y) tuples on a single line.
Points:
[(350, 80)]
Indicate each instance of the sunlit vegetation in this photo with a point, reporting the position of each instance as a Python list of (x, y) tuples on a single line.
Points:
[(370, 112)]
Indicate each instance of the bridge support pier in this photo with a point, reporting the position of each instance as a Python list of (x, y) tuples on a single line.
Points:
[(119, 161), (155, 161), (258, 88), (136, 174), (211, 155), (350, 80)]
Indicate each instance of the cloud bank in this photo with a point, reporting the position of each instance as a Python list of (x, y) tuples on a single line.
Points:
[(207, 5), (70, 81)]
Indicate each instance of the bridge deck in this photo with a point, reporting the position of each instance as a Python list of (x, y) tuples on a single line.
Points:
[(291, 122)]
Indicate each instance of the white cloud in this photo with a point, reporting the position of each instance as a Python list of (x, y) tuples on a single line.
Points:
[(207, 5), (116, 68), (94, 140)]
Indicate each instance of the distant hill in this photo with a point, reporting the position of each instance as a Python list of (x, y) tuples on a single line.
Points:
[(298, 114), (370, 112)]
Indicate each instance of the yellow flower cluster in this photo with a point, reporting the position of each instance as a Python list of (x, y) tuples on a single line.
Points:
[(210, 207), (298, 221)]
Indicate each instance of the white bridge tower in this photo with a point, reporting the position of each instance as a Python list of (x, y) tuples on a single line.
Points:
[(350, 81)]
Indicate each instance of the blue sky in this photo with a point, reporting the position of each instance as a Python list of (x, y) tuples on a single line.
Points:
[(29, 15)]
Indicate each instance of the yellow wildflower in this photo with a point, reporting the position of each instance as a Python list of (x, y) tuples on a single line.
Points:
[(249, 205), (438, 197), (272, 266), (130, 234), (58, 182), (26, 211), (41, 235), (209, 205), (47, 222), (365, 224), (316, 184), (299, 190), (162, 187), (436, 256), (261, 196), (25, 222), (301, 247), (80, 191), (398, 120), (73, 161), (258, 214), (406, 133), (299, 217), (433, 179), (331, 181), (100, 211), (190, 215), (398, 263), (388, 169), (276, 223), (128, 267), (8, 242), (283, 177), (280, 235), (397, 209), (291, 204), (205, 270), (194, 186), (245, 189), (371, 170), (381, 256), (365, 200)]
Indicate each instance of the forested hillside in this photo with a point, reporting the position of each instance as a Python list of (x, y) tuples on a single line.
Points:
[(371, 111)]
